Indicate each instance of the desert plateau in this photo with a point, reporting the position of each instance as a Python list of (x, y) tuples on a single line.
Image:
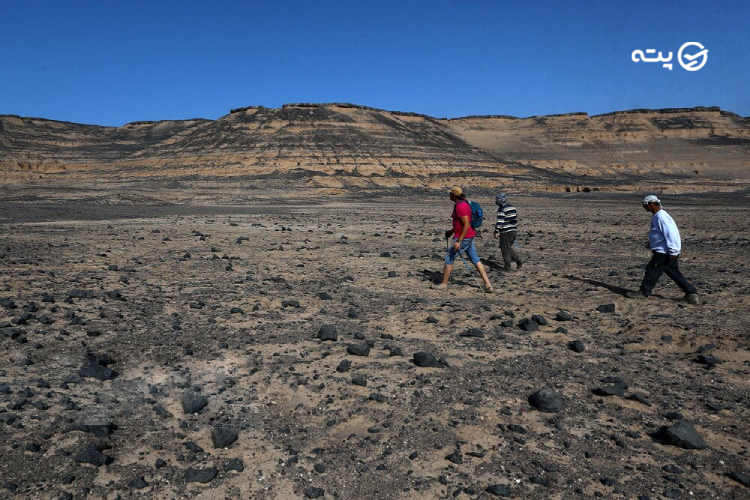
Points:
[(242, 308)]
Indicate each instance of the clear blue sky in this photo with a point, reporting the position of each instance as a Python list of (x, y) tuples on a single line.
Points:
[(110, 62)]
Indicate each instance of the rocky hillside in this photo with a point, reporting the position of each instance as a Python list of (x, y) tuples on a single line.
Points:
[(331, 147)]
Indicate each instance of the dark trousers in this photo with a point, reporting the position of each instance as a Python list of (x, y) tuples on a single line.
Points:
[(661, 263), (506, 248)]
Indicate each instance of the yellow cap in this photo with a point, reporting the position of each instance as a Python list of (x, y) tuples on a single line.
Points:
[(456, 191)]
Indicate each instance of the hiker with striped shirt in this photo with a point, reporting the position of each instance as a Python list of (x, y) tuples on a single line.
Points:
[(506, 229)]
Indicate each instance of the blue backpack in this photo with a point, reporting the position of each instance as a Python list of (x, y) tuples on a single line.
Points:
[(477, 214)]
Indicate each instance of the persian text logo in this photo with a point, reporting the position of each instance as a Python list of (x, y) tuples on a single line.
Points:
[(693, 64), (692, 61)]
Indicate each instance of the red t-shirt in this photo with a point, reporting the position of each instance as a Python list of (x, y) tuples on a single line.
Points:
[(461, 209)]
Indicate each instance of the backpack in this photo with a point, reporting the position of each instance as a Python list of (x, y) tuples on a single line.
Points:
[(477, 214)]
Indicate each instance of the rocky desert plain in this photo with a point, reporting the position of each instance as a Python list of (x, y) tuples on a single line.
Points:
[(241, 308)]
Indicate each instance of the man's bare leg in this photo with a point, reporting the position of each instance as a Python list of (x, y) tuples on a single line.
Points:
[(483, 274), (447, 270)]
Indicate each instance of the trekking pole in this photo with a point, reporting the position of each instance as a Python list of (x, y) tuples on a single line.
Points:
[(474, 276), (447, 247)]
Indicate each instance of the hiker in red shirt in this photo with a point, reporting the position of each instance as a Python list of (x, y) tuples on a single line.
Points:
[(463, 239)]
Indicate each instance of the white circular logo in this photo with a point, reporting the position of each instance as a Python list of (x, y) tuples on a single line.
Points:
[(691, 61)]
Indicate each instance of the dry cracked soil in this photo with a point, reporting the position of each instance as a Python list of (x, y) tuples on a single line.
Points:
[(269, 352)]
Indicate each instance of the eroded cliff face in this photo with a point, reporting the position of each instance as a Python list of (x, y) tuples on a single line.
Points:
[(697, 145), (349, 147)]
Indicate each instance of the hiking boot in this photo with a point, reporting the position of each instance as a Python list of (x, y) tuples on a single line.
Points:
[(489, 289), (439, 287), (507, 268), (692, 298), (636, 295), (518, 265)]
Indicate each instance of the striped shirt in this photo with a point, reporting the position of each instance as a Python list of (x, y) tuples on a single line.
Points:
[(507, 219)]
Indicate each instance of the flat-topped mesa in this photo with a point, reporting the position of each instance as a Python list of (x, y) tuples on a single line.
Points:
[(664, 111), (245, 108)]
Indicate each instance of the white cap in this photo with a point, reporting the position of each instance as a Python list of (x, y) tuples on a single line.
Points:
[(651, 199)]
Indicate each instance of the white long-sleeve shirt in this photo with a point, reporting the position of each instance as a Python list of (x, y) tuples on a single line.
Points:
[(664, 237)]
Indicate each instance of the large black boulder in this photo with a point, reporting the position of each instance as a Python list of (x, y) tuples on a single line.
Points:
[(546, 400)]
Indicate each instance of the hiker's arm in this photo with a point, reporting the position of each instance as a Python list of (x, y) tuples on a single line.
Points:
[(465, 225)]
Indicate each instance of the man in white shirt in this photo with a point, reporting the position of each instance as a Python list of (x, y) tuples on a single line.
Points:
[(665, 245)]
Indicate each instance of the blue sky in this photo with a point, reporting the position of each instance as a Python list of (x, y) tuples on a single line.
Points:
[(109, 63)]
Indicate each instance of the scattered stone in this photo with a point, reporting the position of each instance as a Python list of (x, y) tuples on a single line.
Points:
[(314, 492), (200, 475), (472, 332), (328, 332), (528, 325), (160, 463), (344, 366), (93, 455), (95, 366), (672, 494), (539, 320), (138, 483), (222, 437), (576, 346), (80, 294), (359, 380), (546, 400), (358, 349), (563, 316), (455, 457), (162, 412), (191, 446), (193, 402), (683, 435), (235, 464), (639, 398), (426, 360), (611, 390), (324, 296), (740, 477), (709, 361), (606, 308)]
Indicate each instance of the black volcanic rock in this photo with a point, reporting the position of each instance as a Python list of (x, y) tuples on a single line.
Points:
[(576, 346), (426, 360), (472, 332), (740, 477), (223, 437), (683, 435), (546, 400), (201, 475), (358, 349), (193, 402), (500, 490), (138, 483), (606, 308), (328, 332), (95, 366), (528, 325), (314, 492), (92, 454), (563, 316), (344, 366)]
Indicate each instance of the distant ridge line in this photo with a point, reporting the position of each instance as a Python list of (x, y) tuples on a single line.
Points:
[(402, 113)]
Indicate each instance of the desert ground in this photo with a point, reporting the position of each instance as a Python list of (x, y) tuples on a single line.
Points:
[(176, 351)]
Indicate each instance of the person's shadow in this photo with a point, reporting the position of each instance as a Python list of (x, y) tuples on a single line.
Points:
[(614, 289)]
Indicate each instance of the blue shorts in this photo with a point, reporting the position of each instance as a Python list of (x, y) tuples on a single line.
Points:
[(467, 245)]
